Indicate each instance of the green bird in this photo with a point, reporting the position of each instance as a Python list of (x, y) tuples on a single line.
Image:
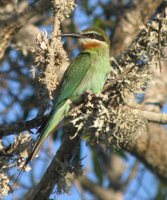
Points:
[(88, 71)]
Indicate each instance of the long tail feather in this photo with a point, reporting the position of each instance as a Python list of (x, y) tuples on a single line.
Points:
[(55, 118)]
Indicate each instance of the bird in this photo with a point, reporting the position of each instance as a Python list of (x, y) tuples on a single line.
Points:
[(88, 71)]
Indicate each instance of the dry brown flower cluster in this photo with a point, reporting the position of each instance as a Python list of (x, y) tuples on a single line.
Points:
[(50, 55), (13, 156)]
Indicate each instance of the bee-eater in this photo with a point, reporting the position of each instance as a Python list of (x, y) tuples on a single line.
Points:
[(88, 71)]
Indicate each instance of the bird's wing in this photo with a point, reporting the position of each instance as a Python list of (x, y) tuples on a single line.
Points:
[(70, 81), (73, 77)]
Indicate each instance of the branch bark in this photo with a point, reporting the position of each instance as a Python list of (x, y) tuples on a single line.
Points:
[(151, 149), (12, 25), (129, 23), (98, 191), (160, 118), (20, 126), (56, 170)]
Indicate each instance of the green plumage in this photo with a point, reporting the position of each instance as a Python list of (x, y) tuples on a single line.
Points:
[(88, 71)]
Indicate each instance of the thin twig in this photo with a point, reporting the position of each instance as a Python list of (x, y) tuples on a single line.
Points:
[(160, 118), (121, 76), (20, 126)]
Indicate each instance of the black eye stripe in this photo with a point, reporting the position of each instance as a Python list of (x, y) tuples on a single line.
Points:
[(94, 36)]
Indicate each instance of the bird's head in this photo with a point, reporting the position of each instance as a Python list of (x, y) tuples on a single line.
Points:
[(91, 38)]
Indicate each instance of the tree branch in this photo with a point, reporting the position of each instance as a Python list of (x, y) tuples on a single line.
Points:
[(20, 126), (160, 118), (151, 149), (12, 25), (98, 191), (57, 170), (129, 23)]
